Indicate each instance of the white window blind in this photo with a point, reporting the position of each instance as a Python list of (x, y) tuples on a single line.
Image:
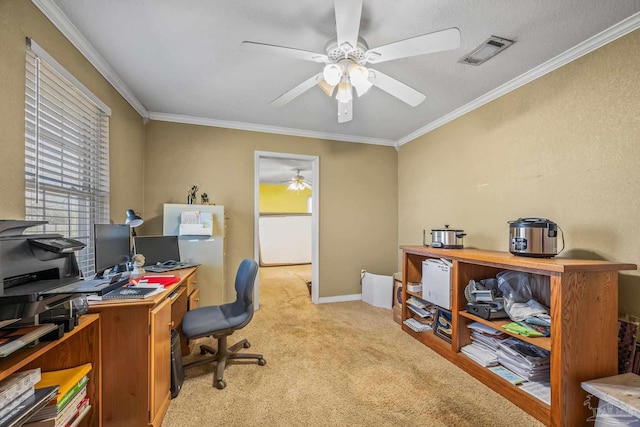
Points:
[(66, 156)]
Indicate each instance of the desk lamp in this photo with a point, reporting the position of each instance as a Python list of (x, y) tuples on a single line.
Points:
[(133, 220)]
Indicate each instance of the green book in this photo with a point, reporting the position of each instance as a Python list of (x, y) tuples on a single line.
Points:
[(74, 390)]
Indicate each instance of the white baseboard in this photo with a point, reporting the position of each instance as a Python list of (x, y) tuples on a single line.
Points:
[(340, 298)]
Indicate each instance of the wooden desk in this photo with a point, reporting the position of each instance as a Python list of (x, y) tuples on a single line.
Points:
[(79, 346), (136, 353)]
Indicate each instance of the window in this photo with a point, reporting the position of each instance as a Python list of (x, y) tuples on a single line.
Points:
[(66, 154)]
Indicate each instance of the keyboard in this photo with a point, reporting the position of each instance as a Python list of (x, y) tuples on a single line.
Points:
[(165, 267)]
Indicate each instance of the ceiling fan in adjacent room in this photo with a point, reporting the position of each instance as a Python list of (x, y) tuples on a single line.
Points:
[(298, 182), (346, 58)]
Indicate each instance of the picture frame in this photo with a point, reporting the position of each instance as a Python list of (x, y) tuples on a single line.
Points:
[(443, 324)]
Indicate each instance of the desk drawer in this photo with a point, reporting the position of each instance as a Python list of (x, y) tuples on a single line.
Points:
[(194, 300), (192, 283)]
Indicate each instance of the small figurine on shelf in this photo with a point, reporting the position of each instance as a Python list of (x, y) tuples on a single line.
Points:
[(138, 263), (205, 198), (191, 194)]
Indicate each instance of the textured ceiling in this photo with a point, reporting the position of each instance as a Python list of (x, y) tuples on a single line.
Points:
[(181, 61)]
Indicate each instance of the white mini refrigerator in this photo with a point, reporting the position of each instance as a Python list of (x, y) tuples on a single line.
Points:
[(436, 282), (202, 243)]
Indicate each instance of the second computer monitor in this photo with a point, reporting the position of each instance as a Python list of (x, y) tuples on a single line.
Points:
[(111, 242), (157, 248)]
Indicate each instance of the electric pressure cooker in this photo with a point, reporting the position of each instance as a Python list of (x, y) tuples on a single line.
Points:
[(534, 237)]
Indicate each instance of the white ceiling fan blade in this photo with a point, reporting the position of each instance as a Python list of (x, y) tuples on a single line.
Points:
[(345, 111), (297, 91), (420, 45), (271, 49), (348, 23), (396, 88)]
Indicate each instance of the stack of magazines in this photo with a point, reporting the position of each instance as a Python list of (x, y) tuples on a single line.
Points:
[(484, 344), (526, 360)]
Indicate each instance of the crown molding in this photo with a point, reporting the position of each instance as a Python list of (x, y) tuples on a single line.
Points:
[(610, 34), (62, 23), (165, 117)]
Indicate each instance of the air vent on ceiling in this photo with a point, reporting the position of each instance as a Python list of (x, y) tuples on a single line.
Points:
[(490, 48)]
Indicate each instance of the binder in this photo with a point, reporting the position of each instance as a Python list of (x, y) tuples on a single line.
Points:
[(65, 379)]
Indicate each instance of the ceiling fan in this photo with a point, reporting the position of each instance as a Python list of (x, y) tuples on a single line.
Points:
[(347, 55), (298, 182)]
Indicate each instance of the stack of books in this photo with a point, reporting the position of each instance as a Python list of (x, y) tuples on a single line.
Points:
[(71, 403), (19, 398)]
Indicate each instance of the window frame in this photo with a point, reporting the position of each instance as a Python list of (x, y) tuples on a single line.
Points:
[(66, 154)]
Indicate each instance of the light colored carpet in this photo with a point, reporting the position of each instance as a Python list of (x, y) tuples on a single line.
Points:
[(341, 364)]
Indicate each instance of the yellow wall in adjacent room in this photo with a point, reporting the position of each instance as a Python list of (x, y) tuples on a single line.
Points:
[(277, 199)]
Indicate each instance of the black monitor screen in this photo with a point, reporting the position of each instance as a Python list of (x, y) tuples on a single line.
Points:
[(112, 246), (157, 248)]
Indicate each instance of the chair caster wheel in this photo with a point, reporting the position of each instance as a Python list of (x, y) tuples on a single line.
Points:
[(262, 362), (246, 344), (221, 384)]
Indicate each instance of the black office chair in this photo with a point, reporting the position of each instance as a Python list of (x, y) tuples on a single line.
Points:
[(220, 321)]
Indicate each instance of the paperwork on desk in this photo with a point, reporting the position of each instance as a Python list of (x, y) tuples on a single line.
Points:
[(159, 289)]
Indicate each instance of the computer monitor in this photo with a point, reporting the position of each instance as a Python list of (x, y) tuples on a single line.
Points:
[(157, 248), (112, 247)]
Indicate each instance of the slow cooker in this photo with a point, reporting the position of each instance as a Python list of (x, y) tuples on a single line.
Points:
[(534, 237), (445, 238)]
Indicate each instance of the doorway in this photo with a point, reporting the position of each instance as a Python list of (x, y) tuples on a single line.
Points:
[(282, 169)]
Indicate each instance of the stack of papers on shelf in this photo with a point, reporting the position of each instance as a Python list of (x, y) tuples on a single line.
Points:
[(480, 355), (526, 360), (540, 390), (416, 325), (486, 336), (420, 308)]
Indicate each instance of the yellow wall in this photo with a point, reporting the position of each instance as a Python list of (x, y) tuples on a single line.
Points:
[(277, 199), (564, 147), (20, 19), (358, 227)]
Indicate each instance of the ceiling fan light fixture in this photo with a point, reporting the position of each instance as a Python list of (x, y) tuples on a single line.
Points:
[(362, 87), (298, 183), (332, 74), (344, 92), (358, 73), (326, 87)]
